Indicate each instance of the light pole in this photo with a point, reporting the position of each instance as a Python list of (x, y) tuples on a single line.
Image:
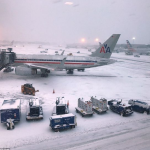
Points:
[(133, 39)]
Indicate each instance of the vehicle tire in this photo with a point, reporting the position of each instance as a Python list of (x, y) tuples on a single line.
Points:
[(56, 130), (122, 114), (76, 111), (8, 128), (145, 112), (82, 115)]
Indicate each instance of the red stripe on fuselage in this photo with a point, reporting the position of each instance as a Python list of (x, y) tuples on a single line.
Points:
[(37, 62)]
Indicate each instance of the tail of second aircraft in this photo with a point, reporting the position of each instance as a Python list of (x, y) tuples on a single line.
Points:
[(130, 48), (105, 49)]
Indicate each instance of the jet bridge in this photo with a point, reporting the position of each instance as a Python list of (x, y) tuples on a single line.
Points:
[(7, 57)]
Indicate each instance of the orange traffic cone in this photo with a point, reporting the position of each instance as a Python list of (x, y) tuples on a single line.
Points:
[(53, 91)]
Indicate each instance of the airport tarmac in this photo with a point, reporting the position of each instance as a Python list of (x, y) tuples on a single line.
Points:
[(128, 78)]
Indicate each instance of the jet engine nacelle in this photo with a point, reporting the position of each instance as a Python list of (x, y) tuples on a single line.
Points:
[(25, 71)]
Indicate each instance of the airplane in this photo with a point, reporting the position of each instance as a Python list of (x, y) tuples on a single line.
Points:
[(4, 45), (130, 50), (27, 64)]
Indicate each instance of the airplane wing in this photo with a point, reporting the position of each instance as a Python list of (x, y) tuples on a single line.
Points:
[(60, 66)]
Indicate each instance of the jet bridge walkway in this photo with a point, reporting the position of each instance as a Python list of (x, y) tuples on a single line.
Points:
[(6, 58)]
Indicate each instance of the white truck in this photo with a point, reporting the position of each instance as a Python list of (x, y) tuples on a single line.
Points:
[(99, 105), (84, 107), (34, 110)]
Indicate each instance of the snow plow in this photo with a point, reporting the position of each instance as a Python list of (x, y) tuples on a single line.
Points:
[(28, 89), (84, 107)]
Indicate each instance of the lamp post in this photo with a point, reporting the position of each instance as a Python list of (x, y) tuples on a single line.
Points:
[(133, 39)]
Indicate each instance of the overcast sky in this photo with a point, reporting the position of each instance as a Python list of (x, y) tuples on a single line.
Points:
[(54, 21)]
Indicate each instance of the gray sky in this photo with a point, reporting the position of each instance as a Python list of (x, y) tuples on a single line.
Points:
[(54, 21)]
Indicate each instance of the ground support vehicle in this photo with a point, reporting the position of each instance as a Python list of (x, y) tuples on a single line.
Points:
[(84, 107), (28, 89), (8, 69), (10, 112), (99, 105), (34, 110), (139, 106), (119, 108), (62, 106), (60, 122)]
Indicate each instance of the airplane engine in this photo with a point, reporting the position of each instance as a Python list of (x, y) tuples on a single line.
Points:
[(24, 71)]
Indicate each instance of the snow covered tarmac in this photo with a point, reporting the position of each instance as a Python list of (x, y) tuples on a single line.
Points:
[(126, 79)]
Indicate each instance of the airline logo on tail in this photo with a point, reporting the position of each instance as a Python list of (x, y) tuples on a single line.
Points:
[(129, 46), (105, 49)]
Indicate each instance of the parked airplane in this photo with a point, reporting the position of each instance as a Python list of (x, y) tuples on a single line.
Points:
[(29, 63), (130, 50), (4, 45)]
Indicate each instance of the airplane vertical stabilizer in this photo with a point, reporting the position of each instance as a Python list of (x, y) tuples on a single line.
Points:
[(130, 48), (105, 50)]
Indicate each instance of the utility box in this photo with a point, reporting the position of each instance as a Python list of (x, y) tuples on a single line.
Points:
[(84, 107), (99, 105)]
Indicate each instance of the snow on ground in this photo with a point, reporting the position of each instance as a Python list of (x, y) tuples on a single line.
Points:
[(128, 78)]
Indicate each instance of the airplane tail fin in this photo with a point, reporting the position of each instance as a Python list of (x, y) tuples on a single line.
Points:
[(105, 49), (11, 44), (129, 46)]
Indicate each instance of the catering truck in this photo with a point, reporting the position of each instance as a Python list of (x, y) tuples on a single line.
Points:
[(10, 112)]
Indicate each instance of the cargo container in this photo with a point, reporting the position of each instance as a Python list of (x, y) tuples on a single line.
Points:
[(84, 107), (34, 110), (10, 112), (99, 105), (59, 122)]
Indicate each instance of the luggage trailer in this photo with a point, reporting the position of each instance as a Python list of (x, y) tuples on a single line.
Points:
[(84, 107), (99, 105)]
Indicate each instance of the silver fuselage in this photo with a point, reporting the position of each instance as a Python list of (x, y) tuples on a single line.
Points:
[(52, 61)]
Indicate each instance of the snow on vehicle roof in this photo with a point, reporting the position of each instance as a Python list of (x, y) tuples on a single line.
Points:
[(62, 116), (85, 100), (11, 104), (34, 102)]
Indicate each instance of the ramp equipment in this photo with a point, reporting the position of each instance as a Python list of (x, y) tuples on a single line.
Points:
[(7, 57)]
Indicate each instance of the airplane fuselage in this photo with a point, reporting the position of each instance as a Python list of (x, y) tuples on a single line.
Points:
[(72, 62)]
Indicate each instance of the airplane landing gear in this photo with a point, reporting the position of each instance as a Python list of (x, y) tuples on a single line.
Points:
[(45, 72), (81, 70), (70, 71)]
